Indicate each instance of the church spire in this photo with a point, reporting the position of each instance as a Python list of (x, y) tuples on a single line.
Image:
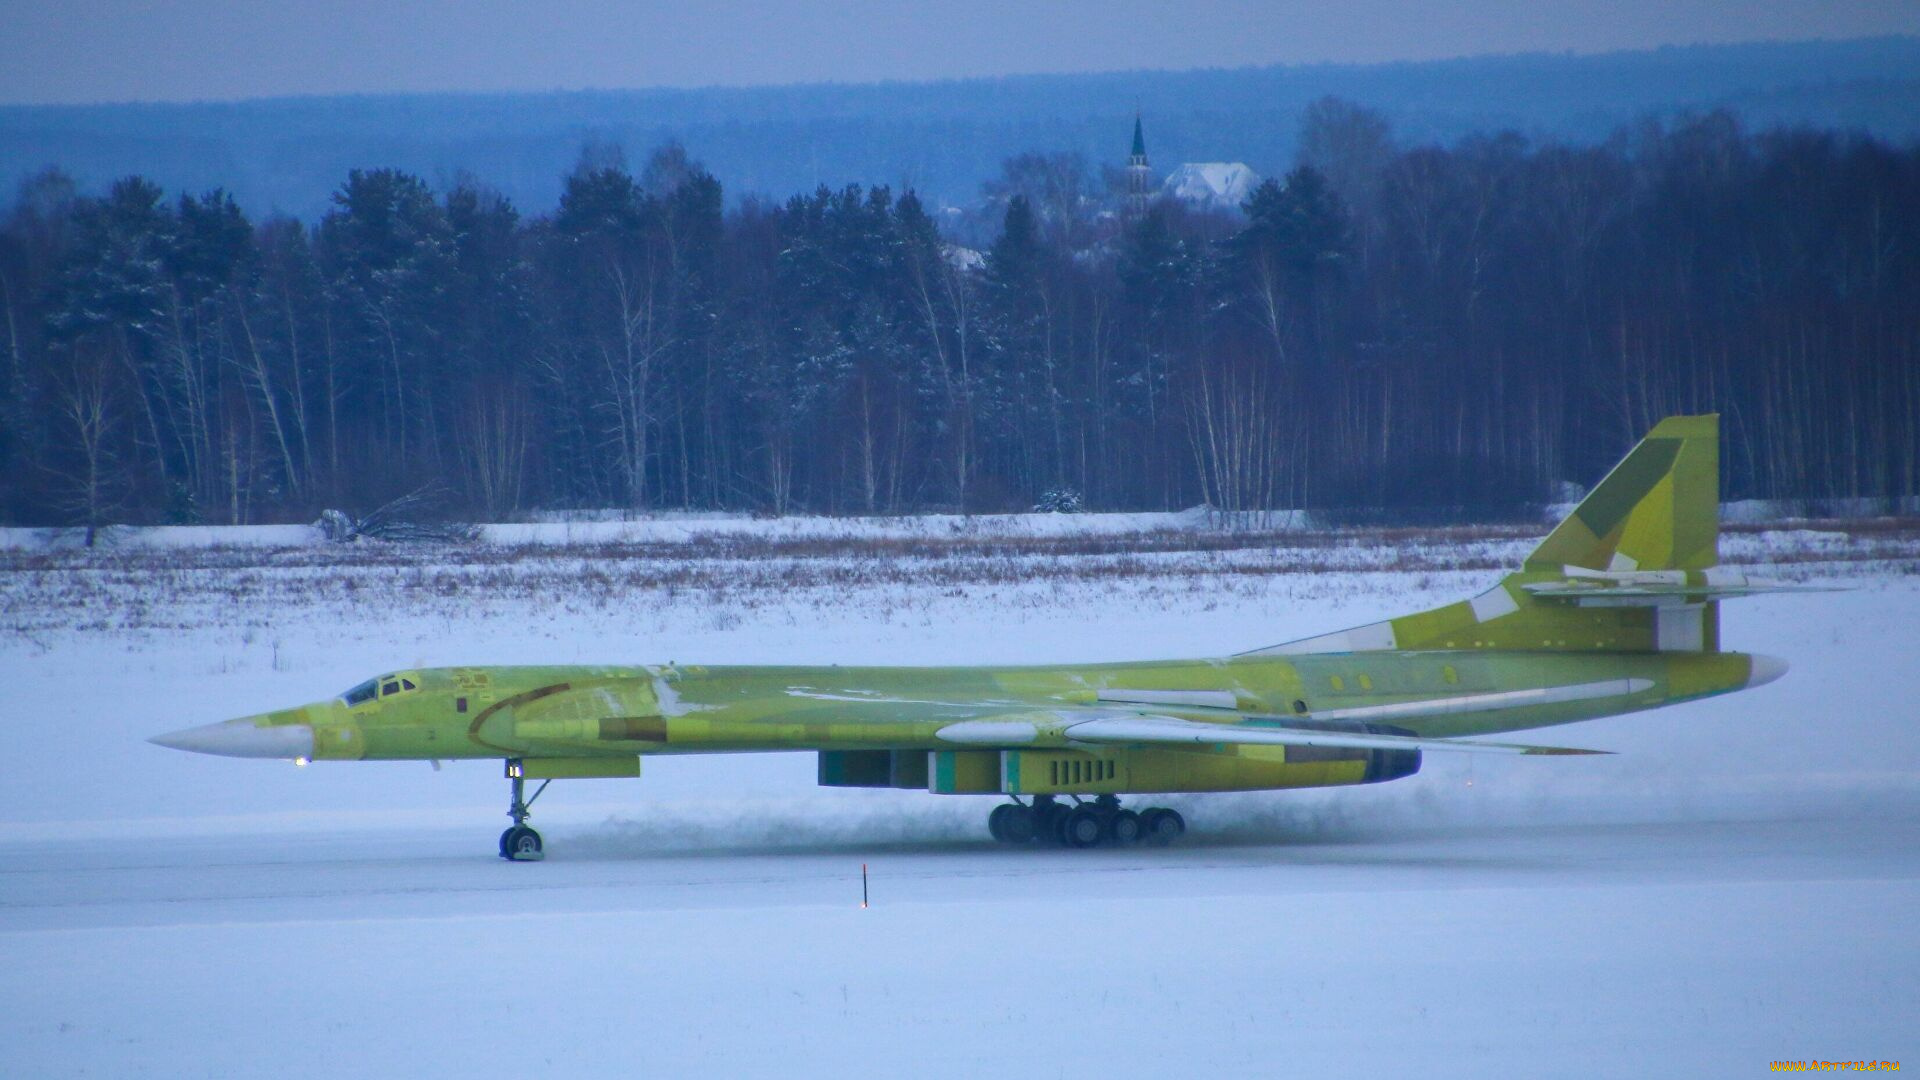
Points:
[(1138, 173)]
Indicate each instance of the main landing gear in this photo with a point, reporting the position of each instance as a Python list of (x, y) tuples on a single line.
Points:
[(520, 843), (1083, 824)]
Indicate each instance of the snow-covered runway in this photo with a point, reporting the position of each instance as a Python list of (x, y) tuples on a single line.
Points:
[(1709, 947)]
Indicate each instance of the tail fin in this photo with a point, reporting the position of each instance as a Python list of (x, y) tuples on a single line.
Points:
[(1659, 509), (1630, 570)]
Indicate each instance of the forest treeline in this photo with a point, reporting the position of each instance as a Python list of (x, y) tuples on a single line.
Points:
[(1385, 326)]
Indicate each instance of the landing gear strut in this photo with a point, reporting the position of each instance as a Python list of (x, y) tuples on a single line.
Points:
[(520, 843), (1083, 824)]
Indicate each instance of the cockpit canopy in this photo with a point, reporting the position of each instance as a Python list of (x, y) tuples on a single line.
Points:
[(383, 686)]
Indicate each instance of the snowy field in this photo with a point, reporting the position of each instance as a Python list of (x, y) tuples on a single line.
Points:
[(1737, 886)]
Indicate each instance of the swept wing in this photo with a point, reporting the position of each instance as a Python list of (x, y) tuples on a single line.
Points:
[(1111, 727)]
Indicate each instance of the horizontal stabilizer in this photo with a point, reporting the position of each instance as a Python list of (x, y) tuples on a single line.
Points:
[(1167, 730), (1588, 588)]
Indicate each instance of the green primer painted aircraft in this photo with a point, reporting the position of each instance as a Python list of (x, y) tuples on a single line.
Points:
[(1616, 611)]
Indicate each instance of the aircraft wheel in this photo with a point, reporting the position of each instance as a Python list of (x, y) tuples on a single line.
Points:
[(1048, 821), (997, 822), (521, 844), (1017, 826), (1162, 826), (1082, 828), (1124, 827)]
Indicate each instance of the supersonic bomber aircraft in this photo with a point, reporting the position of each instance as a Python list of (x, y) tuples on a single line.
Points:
[(1617, 610)]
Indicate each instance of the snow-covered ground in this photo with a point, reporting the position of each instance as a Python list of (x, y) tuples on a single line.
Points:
[(1735, 887)]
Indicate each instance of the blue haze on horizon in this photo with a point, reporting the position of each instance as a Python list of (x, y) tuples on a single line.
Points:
[(223, 50)]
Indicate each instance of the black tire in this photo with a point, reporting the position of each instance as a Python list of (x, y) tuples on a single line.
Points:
[(521, 844), (1050, 823), (1018, 826), (1162, 826), (1083, 828), (997, 822), (1123, 828)]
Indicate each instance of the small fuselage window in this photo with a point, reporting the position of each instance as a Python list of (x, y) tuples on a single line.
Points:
[(362, 693)]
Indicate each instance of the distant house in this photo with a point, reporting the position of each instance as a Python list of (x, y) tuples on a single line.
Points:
[(1211, 185), (964, 259)]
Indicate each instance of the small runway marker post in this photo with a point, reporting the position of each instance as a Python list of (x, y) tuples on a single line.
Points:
[(863, 885)]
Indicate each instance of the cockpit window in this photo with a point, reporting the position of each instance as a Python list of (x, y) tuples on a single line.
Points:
[(362, 693), (390, 688), (407, 683)]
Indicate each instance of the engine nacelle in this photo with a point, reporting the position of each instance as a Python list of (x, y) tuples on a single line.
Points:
[(1116, 771)]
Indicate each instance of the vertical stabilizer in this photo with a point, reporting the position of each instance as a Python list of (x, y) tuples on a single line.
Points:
[(1659, 509), (1625, 572)]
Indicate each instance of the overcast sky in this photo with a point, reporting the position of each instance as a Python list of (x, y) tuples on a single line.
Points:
[(141, 50)]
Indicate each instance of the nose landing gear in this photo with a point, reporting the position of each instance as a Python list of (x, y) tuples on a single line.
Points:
[(520, 843), (1079, 824)]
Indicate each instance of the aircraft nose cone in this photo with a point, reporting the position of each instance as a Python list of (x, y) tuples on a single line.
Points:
[(242, 738), (1764, 669)]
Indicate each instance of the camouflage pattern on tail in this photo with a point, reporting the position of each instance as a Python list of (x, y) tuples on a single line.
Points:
[(1659, 509), (1629, 570)]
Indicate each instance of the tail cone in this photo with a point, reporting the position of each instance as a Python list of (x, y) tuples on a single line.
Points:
[(1765, 669)]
